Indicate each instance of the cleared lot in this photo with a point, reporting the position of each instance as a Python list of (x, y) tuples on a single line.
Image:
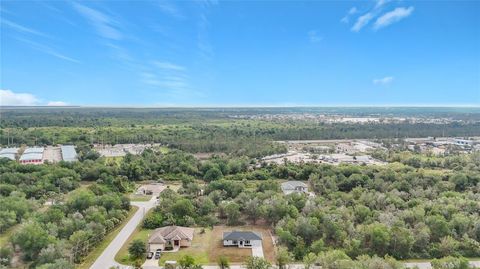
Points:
[(239, 255)]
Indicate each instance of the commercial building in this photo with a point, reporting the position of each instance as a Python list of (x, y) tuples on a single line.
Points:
[(10, 153), (68, 153), (32, 156)]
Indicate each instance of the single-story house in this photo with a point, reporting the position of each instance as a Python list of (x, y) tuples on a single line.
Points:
[(294, 186), (170, 236), (242, 239)]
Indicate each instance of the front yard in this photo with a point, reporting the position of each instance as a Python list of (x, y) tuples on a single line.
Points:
[(122, 256), (202, 239), (235, 254), (207, 246)]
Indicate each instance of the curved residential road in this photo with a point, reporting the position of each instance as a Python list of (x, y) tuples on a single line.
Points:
[(107, 258)]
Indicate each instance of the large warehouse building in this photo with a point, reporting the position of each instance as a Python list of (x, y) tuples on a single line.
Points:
[(32, 156), (10, 153), (68, 153)]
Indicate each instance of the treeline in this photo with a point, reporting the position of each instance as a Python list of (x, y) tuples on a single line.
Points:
[(59, 221), (204, 130), (397, 210), (93, 117)]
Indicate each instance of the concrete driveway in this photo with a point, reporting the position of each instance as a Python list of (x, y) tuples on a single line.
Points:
[(107, 258), (150, 263), (257, 251)]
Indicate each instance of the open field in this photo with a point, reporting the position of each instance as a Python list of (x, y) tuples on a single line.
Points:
[(90, 259)]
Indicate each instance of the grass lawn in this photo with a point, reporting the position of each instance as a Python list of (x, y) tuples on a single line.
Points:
[(198, 250), (122, 256), (140, 197), (90, 259)]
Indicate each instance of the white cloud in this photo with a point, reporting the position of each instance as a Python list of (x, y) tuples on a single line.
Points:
[(168, 76), (381, 3), (314, 37), (168, 66), (57, 103), (170, 8), (395, 15), (362, 21), (9, 98), (351, 12), (103, 24), (48, 50), (22, 28), (383, 81)]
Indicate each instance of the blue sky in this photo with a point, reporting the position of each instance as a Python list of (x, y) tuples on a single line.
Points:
[(176, 53)]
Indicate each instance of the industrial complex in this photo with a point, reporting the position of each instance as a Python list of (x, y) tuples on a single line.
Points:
[(40, 155)]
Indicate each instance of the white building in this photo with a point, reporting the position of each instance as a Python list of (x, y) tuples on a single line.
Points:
[(32, 156), (10, 153), (68, 153), (242, 239)]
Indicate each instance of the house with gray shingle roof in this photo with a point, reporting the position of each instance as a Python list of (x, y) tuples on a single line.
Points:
[(242, 239)]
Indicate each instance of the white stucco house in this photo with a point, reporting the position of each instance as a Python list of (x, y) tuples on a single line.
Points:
[(242, 239)]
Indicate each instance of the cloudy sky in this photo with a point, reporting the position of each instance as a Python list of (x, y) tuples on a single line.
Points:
[(164, 53)]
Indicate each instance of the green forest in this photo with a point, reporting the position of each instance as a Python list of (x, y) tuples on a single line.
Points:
[(356, 216)]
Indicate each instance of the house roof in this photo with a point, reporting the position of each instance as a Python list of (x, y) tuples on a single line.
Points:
[(161, 235), (242, 235), (291, 185)]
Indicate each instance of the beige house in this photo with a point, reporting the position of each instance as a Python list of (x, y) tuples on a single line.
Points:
[(170, 238)]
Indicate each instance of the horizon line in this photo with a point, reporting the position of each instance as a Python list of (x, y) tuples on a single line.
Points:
[(254, 106)]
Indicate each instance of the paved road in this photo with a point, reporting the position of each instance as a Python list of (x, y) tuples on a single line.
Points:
[(421, 265), (107, 259)]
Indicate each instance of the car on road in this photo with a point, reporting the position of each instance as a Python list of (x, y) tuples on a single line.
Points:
[(158, 253), (150, 255)]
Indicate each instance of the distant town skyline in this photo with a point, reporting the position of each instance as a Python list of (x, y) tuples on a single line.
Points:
[(240, 53)]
